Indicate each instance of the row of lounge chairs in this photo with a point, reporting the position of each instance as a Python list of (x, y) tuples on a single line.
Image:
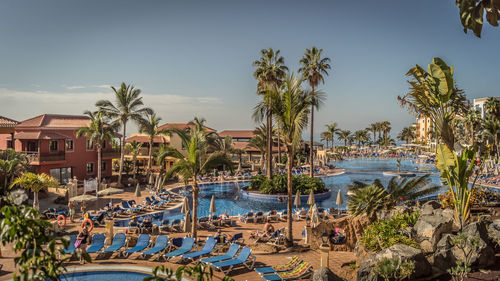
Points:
[(163, 248), (257, 217)]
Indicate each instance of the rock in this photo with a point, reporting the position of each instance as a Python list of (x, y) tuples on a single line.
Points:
[(494, 232), (430, 228), (403, 252), (484, 255), (432, 203), (325, 274), (351, 227), (443, 258)]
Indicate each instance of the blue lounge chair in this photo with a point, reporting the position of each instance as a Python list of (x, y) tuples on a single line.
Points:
[(207, 249), (238, 237), (244, 258), (71, 246), (159, 201), (118, 242), (231, 253), (187, 245), (142, 243), (97, 243), (160, 245), (126, 207)]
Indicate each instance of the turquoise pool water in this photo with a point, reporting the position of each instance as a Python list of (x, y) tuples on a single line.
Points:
[(104, 276)]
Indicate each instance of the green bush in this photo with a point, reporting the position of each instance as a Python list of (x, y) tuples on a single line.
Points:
[(385, 233), (278, 184)]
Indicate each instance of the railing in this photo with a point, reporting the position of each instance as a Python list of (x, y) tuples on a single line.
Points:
[(45, 157), (111, 153)]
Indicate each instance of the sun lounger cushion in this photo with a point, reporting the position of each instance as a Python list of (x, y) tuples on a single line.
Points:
[(97, 243), (187, 245), (142, 243), (118, 243), (231, 252), (209, 246), (160, 245), (240, 259), (71, 246)]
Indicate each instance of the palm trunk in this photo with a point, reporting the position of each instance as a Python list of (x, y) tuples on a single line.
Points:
[(269, 145), (311, 151), (194, 222), (290, 194), (122, 153), (150, 154), (279, 147), (135, 166), (99, 164), (36, 205), (261, 164)]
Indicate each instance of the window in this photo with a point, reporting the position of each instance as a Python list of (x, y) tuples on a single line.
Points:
[(89, 145), (63, 175), (103, 166), (69, 145), (53, 145), (104, 145), (90, 168)]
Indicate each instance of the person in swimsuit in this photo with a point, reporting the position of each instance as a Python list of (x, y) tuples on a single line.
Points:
[(83, 236)]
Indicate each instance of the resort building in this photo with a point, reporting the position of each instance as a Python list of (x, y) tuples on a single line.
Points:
[(51, 144), (424, 128), (479, 104), (7, 128)]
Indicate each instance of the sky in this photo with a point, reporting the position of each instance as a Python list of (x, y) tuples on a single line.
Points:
[(194, 58)]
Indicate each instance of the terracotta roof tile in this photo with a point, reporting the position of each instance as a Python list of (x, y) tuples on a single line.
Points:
[(145, 139), (248, 134), (182, 126), (7, 122), (40, 135), (55, 121)]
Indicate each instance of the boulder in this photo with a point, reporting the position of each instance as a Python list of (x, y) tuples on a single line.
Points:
[(494, 232), (429, 229), (484, 255), (325, 274), (403, 252), (443, 258), (429, 207)]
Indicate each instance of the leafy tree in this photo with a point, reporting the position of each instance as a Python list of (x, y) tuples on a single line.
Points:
[(491, 130), (407, 134), (374, 127), (333, 129), (472, 14), (97, 132), (472, 121), (366, 200), (313, 67), (361, 136), (270, 72), (225, 146), (150, 126), (326, 136), (344, 135), (12, 164), (258, 141), (35, 183), (134, 148), (410, 189), (128, 106)]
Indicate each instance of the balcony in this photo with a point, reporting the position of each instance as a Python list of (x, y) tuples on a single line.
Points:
[(45, 157), (111, 154)]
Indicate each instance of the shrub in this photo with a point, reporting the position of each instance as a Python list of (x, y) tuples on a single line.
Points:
[(385, 233), (394, 269), (278, 184), (480, 195)]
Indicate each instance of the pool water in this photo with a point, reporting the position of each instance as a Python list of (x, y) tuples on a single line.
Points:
[(104, 276), (388, 164)]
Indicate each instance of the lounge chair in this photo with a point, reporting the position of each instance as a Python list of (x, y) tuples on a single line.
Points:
[(291, 264), (244, 258), (259, 216), (119, 242), (247, 217), (71, 246), (272, 215), (237, 238), (142, 243), (207, 249), (160, 246), (231, 253), (176, 225), (301, 271), (187, 245), (127, 208), (284, 215), (97, 243), (159, 201)]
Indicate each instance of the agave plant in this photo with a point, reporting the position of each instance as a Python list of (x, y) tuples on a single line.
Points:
[(410, 188)]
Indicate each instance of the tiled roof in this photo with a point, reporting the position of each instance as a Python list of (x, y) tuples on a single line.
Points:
[(55, 121), (7, 122), (182, 126), (247, 134), (145, 139), (40, 135)]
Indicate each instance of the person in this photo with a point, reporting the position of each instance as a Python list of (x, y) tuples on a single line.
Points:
[(266, 231), (83, 208), (71, 211), (147, 225), (81, 241), (221, 238), (133, 224)]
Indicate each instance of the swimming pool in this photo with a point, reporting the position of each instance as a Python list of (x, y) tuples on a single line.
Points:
[(102, 275)]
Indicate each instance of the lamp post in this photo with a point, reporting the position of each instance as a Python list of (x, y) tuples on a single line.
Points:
[(308, 231), (325, 250)]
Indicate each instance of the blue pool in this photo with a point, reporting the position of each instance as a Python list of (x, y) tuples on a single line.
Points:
[(104, 276), (360, 169)]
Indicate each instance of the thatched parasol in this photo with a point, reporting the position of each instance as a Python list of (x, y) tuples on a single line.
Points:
[(83, 198), (187, 222), (339, 201), (310, 200), (110, 191), (212, 205), (297, 202), (137, 191)]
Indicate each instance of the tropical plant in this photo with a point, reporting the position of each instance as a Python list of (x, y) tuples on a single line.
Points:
[(409, 189), (150, 125), (468, 246), (270, 72), (407, 134), (313, 67), (12, 164), (333, 129), (278, 184), (259, 141), (480, 196), (394, 268), (344, 136), (385, 128), (492, 106), (35, 183), (224, 145), (491, 130), (366, 199), (196, 162), (290, 105), (133, 148), (361, 136), (128, 106), (382, 234), (472, 14), (98, 132), (326, 136)]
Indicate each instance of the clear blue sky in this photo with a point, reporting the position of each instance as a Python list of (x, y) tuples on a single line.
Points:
[(194, 57)]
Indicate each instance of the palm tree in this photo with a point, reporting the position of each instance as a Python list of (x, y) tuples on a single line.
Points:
[(385, 127), (134, 148), (290, 105), (492, 106), (472, 120), (491, 130), (374, 129), (196, 162), (259, 141), (270, 71), (150, 126), (12, 164), (128, 106), (333, 129), (313, 67), (366, 200), (344, 135), (224, 145), (97, 132), (361, 137), (409, 189), (35, 183), (326, 136), (407, 134)]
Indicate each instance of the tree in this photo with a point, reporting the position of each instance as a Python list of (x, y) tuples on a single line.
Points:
[(472, 120), (361, 137), (333, 129), (224, 145), (492, 106), (270, 71), (196, 162), (97, 132), (385, 127), (407, 134), (472, 14), (290, 105), (313, 67), (366, 200), (150, 126), (344, 135), (326, 136), (134, 148), (374, 127), (491, 130), (35, 183), (128, 106), (12, 164), (258, 141)]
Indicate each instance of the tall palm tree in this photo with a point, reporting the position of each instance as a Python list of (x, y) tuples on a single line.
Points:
[(150, 125), (134, 147), (472, 120), (197, 161), (326, 136), (407, 134), (97, 132), (225, 146), (259, 141), (374, 127), (344, 135), (361, 137), (333, 129), (491, 130), (313, 67), (290, 105), (128, 106), (385, 127), (35, 183), (270, 71)]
